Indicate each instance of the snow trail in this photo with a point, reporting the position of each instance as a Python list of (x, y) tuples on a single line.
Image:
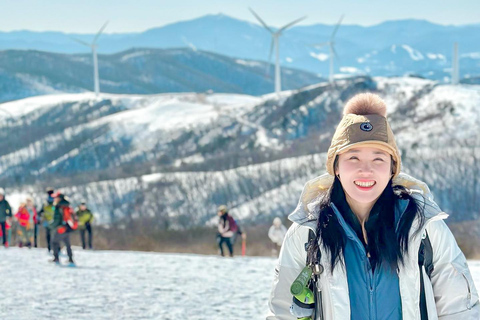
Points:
[(133, 285)]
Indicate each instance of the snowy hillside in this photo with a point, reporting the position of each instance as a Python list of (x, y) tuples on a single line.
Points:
[(178, 156), (133, 285)]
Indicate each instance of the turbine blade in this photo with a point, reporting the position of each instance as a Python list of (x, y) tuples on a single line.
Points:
[(290, 24), (99, 33), (336, 27), (260, 20), (81, 42)]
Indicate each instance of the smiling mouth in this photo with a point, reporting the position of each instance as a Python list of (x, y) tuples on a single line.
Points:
[(365, 184)]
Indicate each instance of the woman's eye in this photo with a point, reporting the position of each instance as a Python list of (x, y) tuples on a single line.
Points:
[(378, 159), (353, 158)]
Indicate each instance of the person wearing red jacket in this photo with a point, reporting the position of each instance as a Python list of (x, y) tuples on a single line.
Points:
[(26, 222)]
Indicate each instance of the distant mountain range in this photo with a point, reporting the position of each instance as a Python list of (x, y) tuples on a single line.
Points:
[(392, 48), (140, 71), (178, 156)]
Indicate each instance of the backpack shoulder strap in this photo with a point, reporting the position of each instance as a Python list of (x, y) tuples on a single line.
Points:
[(428, 255), (313, 256), (425, 259)]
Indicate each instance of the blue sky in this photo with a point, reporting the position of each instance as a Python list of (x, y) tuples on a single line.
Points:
[(86, 16)]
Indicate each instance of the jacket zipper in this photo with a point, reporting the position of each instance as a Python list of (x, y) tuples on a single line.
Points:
[(469, 295)]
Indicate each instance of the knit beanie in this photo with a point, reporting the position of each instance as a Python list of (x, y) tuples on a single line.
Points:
[(364, 123)]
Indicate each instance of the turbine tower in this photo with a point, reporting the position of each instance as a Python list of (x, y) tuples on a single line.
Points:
[(331, 45), (93, 46), (275, 45), (455, 65)]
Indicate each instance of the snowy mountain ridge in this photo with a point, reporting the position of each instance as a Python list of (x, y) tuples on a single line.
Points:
[(177, 156), (362, 50), (139, 71)]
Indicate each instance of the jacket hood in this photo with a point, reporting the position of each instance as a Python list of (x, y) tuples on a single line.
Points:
[(307, 213)]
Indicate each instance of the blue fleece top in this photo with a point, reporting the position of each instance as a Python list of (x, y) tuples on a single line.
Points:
[(374, 294)]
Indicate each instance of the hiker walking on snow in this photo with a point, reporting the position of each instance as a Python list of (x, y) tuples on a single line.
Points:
[(227, 230), (85, 219), (33, 219), (26, 222), (377, 243), (63, 223), (276, 233), (5, 216), (45, 217)]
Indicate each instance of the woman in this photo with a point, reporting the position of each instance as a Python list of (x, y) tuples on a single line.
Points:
[(367, 222), (25, 225), (227, 229)]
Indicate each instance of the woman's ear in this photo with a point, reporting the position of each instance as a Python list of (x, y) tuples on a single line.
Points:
[(335, 168)]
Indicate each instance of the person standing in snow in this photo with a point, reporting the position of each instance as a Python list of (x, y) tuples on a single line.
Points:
[(25, 226), (277, 233), (61, 226), (33, 218), (5, 216), (85, 219), (363, 230), (227, 230), (46, 216)]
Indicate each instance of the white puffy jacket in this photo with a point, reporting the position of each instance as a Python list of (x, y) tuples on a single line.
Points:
[(450, 293)]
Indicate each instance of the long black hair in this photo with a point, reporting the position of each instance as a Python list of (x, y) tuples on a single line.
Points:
[(384, 249)]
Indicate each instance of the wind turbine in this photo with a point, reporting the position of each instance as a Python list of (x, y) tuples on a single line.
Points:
[(331, 45), (93, 46), (275, 45), (455, 65)]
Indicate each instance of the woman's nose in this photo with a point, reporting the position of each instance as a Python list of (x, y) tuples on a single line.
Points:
[(365, 167)]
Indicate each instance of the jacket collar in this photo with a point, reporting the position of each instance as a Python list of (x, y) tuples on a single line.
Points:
[(306, 213)]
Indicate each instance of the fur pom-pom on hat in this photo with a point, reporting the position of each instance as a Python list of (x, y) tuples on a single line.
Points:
[(366, 103), (364, 123)]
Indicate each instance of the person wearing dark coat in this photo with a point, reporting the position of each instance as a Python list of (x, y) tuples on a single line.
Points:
[(5, 215), (60, 227)]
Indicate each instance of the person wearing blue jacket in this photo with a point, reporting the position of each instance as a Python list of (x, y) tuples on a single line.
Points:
[(362, 230)]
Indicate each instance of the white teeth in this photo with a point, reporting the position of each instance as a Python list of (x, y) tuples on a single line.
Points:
[(364, 184)]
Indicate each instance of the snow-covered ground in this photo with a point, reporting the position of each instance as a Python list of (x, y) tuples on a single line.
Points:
[(137, 285), (133, 285)]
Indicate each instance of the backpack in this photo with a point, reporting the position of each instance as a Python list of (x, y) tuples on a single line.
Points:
[(232, 224), (70, 220)]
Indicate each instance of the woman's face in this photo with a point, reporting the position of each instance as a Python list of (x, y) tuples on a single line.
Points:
[(364, 172)]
